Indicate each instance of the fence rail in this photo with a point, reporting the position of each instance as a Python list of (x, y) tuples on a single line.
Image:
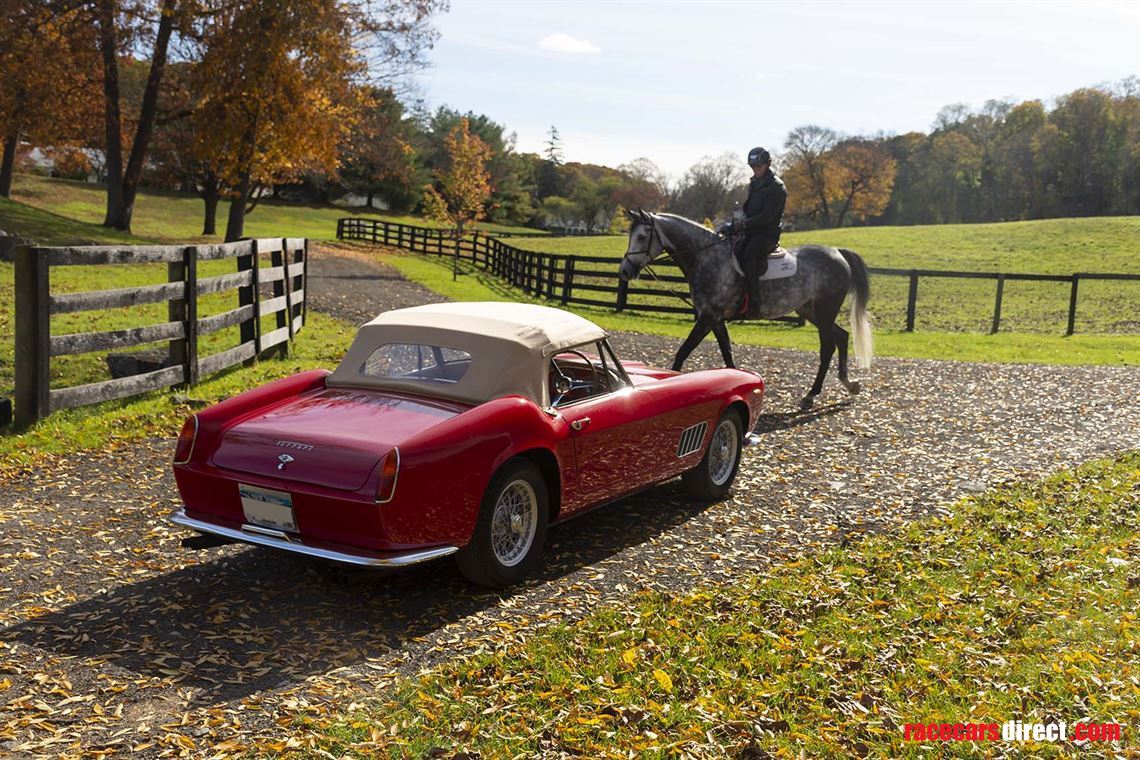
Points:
[(557, 272), (36, 304)]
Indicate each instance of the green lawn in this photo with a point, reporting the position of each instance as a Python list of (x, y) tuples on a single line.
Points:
[(1021, 606), (160, 215)]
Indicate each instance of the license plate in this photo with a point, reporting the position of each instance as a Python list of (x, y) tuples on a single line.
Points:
[(270, 509)]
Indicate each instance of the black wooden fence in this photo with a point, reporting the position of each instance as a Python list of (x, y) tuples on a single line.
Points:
[(566, 278), (35, 305), (559, 276)]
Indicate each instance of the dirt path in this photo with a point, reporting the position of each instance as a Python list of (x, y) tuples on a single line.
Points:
[(115, 638)]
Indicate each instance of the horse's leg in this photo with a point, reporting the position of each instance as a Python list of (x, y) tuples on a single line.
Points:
[(842, 338), (826, 351), (824, 314), (720, 330), (700, 330)]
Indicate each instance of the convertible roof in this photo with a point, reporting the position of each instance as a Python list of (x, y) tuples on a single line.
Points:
[(508, 344), (536, 328)]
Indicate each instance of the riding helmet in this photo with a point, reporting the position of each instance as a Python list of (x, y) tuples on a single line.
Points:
[(758, 156)]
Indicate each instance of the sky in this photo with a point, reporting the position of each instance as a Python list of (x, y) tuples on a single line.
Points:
[(676, 81)]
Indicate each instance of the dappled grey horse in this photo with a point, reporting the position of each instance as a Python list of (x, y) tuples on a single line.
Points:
[(816, 290)]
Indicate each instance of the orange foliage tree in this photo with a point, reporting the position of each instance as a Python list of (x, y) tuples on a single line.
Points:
[(274, 90), (279, 84), (464, 187), (48, 67), (864, 177), (831, 181)]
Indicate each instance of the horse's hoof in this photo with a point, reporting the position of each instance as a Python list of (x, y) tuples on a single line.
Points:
[(854, 389), (807, 403)]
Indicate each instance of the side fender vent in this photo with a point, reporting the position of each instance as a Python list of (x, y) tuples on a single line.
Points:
[(691, 439)]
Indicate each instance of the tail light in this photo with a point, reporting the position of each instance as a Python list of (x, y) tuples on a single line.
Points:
[(389, 472), (185, 446)]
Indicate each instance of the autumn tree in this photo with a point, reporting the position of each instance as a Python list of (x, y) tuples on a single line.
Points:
[(48, 65), (863, 174), (809, 173), (459, 196), (118, 27), (512, 177), (277, 84)]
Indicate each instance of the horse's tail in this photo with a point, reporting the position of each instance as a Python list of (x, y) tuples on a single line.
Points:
[(860, 322)]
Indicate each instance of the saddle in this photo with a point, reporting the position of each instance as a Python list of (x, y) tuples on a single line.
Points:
[(776, 264)]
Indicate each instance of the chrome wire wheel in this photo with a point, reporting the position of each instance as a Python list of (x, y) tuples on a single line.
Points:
[(514, 522), (723, 451)]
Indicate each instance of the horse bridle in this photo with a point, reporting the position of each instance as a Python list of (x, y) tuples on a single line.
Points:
[(648, 249)]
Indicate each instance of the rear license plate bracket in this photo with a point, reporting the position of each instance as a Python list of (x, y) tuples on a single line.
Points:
[(267, 508)]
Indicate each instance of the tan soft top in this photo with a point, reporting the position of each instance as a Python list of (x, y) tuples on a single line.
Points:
[(508, 343)]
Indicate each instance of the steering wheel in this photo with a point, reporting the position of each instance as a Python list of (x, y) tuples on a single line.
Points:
[(564, 385)]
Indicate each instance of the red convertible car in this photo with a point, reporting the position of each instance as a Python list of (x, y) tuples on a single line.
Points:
[(457, 428)]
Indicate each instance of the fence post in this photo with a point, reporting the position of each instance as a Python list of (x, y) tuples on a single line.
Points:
[(997, 304), (1073, 304), (286, 258), (277, 259), (567, 279), (305, 282), (622, 294), (911, 298), (247, 296), (340, 229), (185, 310), (33, 336), (255, 258)]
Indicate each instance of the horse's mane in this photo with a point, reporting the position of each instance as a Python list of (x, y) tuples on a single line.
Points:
[(696, 226)]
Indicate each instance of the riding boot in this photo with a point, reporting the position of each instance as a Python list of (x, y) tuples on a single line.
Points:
[(752, 274)]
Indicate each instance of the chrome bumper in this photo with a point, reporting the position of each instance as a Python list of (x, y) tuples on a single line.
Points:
[(752, 439), (254, 534)]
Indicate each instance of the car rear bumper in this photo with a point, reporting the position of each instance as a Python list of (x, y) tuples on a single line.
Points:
[(752, 439), (253, 534)]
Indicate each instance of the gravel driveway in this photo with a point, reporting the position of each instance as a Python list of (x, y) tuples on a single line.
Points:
[(114, 638)]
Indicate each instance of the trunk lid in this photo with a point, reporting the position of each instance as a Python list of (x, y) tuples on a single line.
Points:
[(333, 437)]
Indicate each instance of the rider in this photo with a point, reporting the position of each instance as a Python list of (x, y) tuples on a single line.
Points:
[(763, 217)]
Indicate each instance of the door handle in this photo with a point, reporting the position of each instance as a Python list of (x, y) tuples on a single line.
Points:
[(580, 424)]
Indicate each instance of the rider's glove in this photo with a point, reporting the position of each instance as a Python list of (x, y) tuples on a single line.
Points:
[(729, 228)]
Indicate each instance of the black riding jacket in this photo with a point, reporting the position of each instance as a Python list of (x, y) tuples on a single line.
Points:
[(764, 210)]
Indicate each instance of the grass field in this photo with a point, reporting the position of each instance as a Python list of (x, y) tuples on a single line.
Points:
[(1020, 606)]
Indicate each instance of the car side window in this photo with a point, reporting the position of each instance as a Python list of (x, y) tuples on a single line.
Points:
[(582, 373)]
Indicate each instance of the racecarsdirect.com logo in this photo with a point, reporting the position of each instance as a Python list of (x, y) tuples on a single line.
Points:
[(1013, 731)]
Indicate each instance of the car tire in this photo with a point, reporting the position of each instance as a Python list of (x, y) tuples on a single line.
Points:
[(712, 478), (506, 546)]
